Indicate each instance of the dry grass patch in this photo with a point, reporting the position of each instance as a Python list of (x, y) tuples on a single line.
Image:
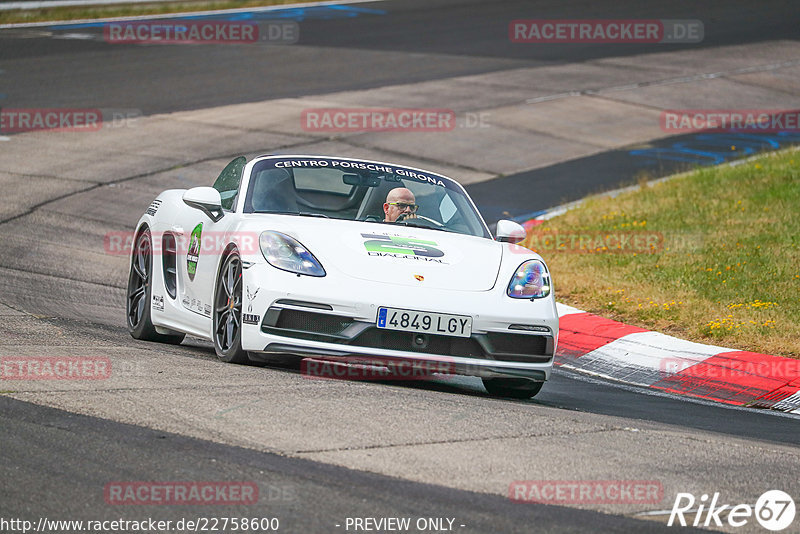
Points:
[(711, 257)]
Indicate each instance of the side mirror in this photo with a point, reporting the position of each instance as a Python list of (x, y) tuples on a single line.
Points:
[(510, 232), (205, 199)]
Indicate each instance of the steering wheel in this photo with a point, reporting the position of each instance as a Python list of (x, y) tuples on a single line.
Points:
[(404, 216)]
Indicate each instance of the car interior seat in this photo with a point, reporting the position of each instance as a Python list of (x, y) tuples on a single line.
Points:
[(274, 191)]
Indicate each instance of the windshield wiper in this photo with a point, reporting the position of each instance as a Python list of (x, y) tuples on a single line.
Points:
[(443, 229), (298, 213), (426, 226)]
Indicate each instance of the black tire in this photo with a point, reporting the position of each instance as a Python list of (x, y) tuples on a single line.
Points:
[(513, 388), (137, 302), (228, 311)]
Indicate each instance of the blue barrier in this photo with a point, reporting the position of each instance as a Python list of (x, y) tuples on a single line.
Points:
[(713, 149), (298, 14)]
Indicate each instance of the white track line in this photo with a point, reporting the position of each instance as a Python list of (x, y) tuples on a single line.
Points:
[(64, 3), (192, 13)]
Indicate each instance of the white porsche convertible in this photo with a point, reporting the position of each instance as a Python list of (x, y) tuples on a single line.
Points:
[(339, 259)]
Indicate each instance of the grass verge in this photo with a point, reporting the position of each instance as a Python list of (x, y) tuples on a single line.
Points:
[(711, 256), (66, 13)]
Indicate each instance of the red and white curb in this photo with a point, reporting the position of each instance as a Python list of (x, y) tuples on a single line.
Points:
[(592, 344)]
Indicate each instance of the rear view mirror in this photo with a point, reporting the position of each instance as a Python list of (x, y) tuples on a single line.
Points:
[(205, 199), (364, 181)]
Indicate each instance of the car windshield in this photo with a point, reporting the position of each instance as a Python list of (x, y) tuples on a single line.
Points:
[(357, 190)]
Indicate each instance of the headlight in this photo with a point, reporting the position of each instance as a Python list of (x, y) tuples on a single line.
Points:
[(531, 281), (287, 254)]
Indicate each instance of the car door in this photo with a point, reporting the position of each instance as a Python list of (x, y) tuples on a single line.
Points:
[(202, 244)]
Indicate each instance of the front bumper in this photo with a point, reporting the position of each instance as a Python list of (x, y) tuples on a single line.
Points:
[(327, 320)]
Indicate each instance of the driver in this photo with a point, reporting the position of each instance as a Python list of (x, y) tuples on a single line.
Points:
[(400, 201)]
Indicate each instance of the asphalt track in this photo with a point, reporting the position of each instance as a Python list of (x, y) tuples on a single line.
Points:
[(305, 496), (359, 46), (337, 449)]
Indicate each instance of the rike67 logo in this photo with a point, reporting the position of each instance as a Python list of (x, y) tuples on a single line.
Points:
[(774, 510)]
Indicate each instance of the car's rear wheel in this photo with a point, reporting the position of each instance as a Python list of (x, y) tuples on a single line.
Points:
[(514, 388), (228, 311), (140, 281)]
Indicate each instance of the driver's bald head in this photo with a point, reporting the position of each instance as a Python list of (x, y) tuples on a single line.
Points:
[(398, 194)]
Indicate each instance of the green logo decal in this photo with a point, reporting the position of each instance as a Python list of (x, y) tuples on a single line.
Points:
[(379, 245), (194, 251)]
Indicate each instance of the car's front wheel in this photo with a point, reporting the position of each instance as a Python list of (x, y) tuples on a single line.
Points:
[(228, 311), (514, 388), (140, 282)]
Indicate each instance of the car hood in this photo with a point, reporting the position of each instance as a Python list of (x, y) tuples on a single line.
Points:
[(397, 255)]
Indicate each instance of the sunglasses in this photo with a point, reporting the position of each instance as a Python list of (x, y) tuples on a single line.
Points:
[(404, 206)]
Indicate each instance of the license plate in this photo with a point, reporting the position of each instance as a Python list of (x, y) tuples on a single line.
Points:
[(425, 322)]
